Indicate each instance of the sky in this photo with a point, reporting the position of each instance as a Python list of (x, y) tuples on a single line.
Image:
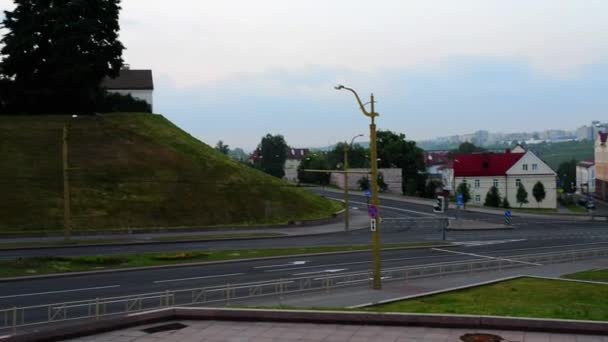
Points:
[(237, 69)]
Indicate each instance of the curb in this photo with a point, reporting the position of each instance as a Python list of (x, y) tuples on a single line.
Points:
[(147, 268), (477, 322)]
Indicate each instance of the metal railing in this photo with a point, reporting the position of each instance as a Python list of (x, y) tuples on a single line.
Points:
[(408, 223), (30, 316)]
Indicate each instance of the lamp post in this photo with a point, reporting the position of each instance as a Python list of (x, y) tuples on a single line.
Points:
[(347, 209), (377, 278)]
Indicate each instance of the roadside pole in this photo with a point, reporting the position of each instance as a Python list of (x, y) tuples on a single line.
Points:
[(347, 209), (66, 187)]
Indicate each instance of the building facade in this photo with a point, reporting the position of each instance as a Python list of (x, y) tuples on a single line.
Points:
[(585, 177), (506, 171), (294, 158), (137, 83), (601, 166)]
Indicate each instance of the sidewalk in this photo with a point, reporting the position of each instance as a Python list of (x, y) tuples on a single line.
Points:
[(358, 220)]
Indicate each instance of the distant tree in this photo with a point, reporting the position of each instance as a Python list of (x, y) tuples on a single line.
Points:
[(363, 183), (430, 190), (382, 186), (492, 198), (468, 147), (395, 151), (505, 203), (357, 156), (314, 161), (222, 148), (272, 155), (465, 190), (566, 172), (56, 53), (238, 154), (539, 192), (522, 195)]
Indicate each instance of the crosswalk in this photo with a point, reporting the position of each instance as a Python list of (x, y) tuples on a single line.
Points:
[(484, 242)]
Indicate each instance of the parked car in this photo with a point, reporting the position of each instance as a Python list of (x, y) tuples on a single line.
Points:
[(587, 203)]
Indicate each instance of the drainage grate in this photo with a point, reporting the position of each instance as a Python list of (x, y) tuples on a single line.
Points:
[(481, 338), (164, 327)]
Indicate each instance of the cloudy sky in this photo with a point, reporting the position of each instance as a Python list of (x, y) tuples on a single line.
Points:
[(238, 69)]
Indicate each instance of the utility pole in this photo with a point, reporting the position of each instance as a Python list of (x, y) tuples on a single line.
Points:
[(347, 209), (375, 220), (66, 188)]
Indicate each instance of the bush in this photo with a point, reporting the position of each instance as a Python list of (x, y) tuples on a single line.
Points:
[(505, 203), (112, 102), (363, 183), (180, 256)]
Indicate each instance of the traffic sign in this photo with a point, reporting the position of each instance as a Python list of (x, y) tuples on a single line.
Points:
[(508, 213), (459, 200), (508, 217), (367, 193), (373, 225), (372, 211)]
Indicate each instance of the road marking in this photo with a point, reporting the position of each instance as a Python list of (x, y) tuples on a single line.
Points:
[(61, 291), (486, 256), (485, 242), (324, 271), (197, 278), (293, 263), (392, 208)]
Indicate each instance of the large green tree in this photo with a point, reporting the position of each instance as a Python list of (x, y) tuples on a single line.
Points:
[(358, 156), (395, 151), (539, 193), (492, 198), (522, 195), (314, 161), (272, 154), (566, 173), (465, 190), (56, 53)]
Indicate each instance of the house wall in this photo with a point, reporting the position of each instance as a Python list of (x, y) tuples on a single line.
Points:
[(291, 170), (585, 175), (601, 169), (479, 192), (146, 95), (447, 178), (392, 177)]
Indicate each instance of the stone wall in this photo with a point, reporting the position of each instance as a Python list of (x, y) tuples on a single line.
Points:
[(392, 177)]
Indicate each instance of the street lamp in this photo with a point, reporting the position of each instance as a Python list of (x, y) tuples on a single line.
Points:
[(346, 148), (377, 277)]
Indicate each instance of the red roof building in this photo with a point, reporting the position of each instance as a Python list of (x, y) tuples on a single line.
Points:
[(484, 164)]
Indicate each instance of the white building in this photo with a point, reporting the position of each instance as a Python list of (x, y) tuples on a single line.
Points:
[(585, 177), (137, 83), (294, 158), (506, 171)]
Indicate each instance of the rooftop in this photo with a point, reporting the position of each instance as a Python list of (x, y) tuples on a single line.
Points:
[(484, 164), (130, 79)]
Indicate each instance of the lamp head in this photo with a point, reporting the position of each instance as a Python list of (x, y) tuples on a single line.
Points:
[(339, 87)]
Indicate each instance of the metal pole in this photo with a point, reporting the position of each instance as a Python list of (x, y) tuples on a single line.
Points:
[(377, 285), (347, 209), (66, 187)]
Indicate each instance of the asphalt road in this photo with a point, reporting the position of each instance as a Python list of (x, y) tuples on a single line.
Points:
[(84, 287)]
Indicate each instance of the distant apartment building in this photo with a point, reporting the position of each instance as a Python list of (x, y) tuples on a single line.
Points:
[(506, 171), (585, 177), (601, 166)]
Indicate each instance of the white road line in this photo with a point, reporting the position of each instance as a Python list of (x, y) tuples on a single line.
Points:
[(293, 263), (61, 291), (197, 278), (324, 271), (486, 256), (391, 208)]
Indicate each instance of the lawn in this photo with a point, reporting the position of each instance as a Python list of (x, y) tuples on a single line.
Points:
[(49, 265), (523, 297), (592, 275)]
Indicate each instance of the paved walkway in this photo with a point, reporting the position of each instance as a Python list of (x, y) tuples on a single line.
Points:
[(218, 331)]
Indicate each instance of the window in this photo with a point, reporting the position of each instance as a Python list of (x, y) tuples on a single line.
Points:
[(524, 167), (495, 183), (478, 198), (477, 184), (517, 182), (534, 167)]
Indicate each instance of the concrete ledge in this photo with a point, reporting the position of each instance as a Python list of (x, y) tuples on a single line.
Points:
[(317, 317)]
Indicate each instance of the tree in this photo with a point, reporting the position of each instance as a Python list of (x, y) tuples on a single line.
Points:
[(492, 198), (222, 148), (314, 161), (57, 52), (238, 154), (505, 203), (539, 192), (522, 195), (566, 172), (430, 190), (465, 190), (395, 151), (357, 156), (272, 152), (363, 183)]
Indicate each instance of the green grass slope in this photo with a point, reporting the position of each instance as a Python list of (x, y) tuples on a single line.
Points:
[(130, 171)]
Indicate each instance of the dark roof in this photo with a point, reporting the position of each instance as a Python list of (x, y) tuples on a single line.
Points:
[(603, 137), (436, 158), (130, 79), (297, 153), (586, 163), (484, 164)]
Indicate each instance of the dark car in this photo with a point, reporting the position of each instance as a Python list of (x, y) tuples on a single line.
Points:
[(587, 203)]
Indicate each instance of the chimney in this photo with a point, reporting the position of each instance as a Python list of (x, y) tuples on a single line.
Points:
[(508, 150)]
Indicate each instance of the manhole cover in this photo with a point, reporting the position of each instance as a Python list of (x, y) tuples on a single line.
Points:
[(481, 338), (164, 327)]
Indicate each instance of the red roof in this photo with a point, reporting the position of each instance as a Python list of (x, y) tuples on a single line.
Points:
[(484, 164), (603, 137)]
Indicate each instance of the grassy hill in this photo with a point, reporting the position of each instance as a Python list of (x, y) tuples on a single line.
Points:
[(133, 171)]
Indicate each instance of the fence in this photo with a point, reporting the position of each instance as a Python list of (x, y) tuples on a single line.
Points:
[(409, 223), (31, 316)]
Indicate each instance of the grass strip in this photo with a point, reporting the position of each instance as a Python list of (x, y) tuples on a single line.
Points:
[(50, 265), (524, 297), (591, 275), (136, 239)]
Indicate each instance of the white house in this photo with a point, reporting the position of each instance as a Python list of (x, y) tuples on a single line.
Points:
[(585, 177), (294, 158), (506, 171), (137, 83)]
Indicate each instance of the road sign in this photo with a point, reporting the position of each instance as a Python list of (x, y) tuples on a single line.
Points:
[(367, 193), (459, 200), (508, 213), (372, 211), (373, 225), (508, 217)]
